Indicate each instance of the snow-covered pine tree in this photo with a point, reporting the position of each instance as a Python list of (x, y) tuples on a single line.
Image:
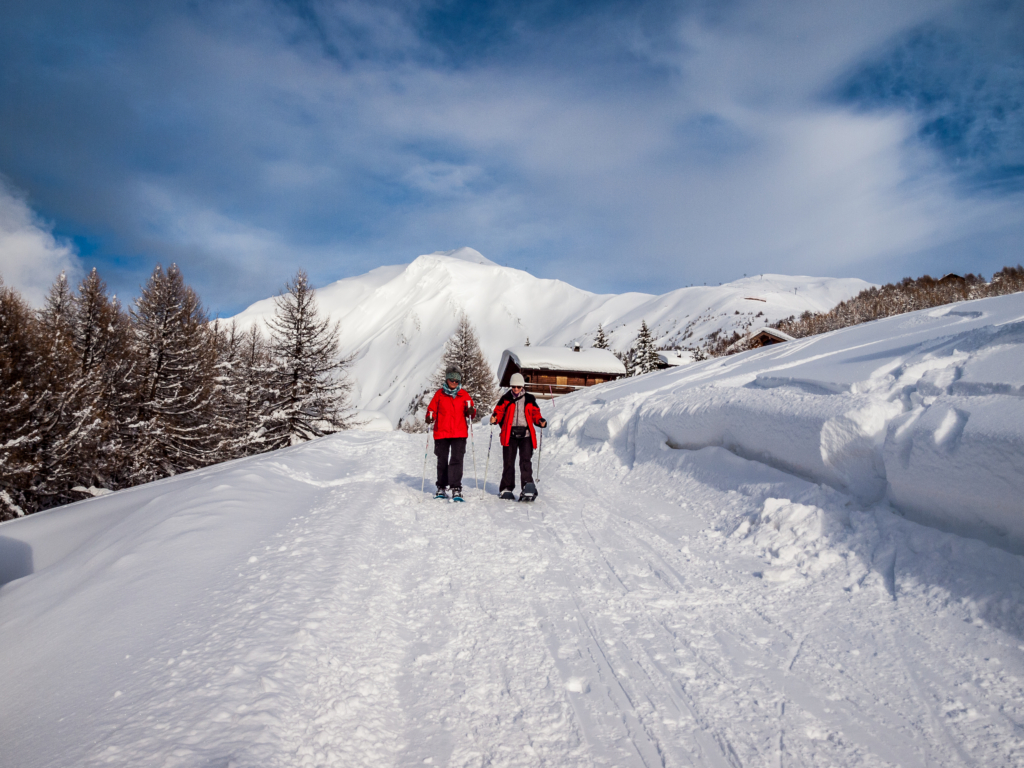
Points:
[(244, 379), (462, 352), (225, 406), (100, 328), (600, 338), (62, 412), (257, 380), (17, 437), (311, 392), (101, 336), (646, 355), (177, 354)]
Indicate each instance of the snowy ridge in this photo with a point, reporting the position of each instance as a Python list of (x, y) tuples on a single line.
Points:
[(713, 575), (395, 320)]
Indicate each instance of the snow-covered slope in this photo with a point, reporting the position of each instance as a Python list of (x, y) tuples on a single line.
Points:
[(395, 320), (716, 573), (925, 410)]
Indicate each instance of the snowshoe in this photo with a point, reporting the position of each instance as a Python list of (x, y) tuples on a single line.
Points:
[(529, 492), (441, 494), (507, 496), (457, 494)]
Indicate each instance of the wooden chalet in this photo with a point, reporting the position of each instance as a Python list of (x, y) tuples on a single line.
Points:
[(553, 371), (673, 358), (764, 337)]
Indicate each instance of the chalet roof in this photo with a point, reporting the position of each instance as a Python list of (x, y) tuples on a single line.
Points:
[(563, 359), (774, 332), (672, 358)]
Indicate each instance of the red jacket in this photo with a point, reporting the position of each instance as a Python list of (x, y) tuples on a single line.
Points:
[(449, 414), (505, 413)]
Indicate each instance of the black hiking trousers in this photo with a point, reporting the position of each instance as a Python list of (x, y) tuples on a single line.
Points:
[(449, 451), (524, 447)]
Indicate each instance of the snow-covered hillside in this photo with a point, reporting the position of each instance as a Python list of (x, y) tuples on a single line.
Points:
[(718, 572), (395, 320)]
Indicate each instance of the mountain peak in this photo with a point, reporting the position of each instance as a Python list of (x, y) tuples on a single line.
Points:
[(465, 254)]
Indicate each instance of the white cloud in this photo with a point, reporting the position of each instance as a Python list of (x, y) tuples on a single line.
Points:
[(30, 256), (623, 157)]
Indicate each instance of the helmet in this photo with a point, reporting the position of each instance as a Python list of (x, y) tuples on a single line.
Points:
[(517, 380), (452, 374)]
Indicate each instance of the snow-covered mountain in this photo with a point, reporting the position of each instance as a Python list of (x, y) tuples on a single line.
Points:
[(396, 319), (726, 566)]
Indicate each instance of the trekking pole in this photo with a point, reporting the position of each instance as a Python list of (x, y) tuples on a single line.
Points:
[(487, 463), (426, 450), (540, 451), (472, 443)]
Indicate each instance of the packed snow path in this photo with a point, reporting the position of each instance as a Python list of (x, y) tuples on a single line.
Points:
[(698, 609)]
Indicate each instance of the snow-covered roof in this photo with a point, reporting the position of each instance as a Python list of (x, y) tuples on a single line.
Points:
[(771, 332), (673, 358), (563, 359)]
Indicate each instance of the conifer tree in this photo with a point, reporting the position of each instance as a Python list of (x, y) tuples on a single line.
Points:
[(101, 335), (311, 393), (176, 353), (646, 354), (61, 411), (57, 312), (600, 339), (462, 352), (99, 325), (17, 437), (256, 380), (243, 382), (225, 403)]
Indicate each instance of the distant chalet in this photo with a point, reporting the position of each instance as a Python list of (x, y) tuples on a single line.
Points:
[(669, 358), (765, 337), (554, 371)]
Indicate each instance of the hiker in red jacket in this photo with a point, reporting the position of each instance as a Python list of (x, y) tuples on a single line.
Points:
[(448, 411), (517, 412)]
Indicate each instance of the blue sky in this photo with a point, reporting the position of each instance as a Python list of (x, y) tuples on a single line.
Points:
[(616, 145)]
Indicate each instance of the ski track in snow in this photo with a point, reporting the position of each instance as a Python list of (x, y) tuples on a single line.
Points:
[(663, 615)]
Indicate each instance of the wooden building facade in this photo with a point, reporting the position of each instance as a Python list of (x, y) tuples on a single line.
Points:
[(553, 371)]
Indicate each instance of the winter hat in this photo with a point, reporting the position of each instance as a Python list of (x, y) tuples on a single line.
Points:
[(517, 380), (453, 375)]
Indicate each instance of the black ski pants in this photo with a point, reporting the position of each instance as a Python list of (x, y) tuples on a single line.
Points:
[(449, 451), (524, 447)]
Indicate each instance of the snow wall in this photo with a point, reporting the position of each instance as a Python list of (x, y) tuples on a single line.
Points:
[(924, 410)]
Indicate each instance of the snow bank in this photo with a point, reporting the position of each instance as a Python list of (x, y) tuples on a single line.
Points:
[(924, 410)]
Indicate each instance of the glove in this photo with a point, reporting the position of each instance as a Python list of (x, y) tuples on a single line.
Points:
[(542, 424), (428, 419), (494, 419)]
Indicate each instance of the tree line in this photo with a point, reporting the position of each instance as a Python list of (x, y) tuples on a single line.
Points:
[(95, 397), (908, 295)]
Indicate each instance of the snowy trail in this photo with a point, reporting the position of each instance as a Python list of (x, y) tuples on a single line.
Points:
[(643, 616)]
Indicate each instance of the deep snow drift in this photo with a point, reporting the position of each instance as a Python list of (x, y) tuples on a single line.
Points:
[(714, 574), (395, 320), (924, 409)]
